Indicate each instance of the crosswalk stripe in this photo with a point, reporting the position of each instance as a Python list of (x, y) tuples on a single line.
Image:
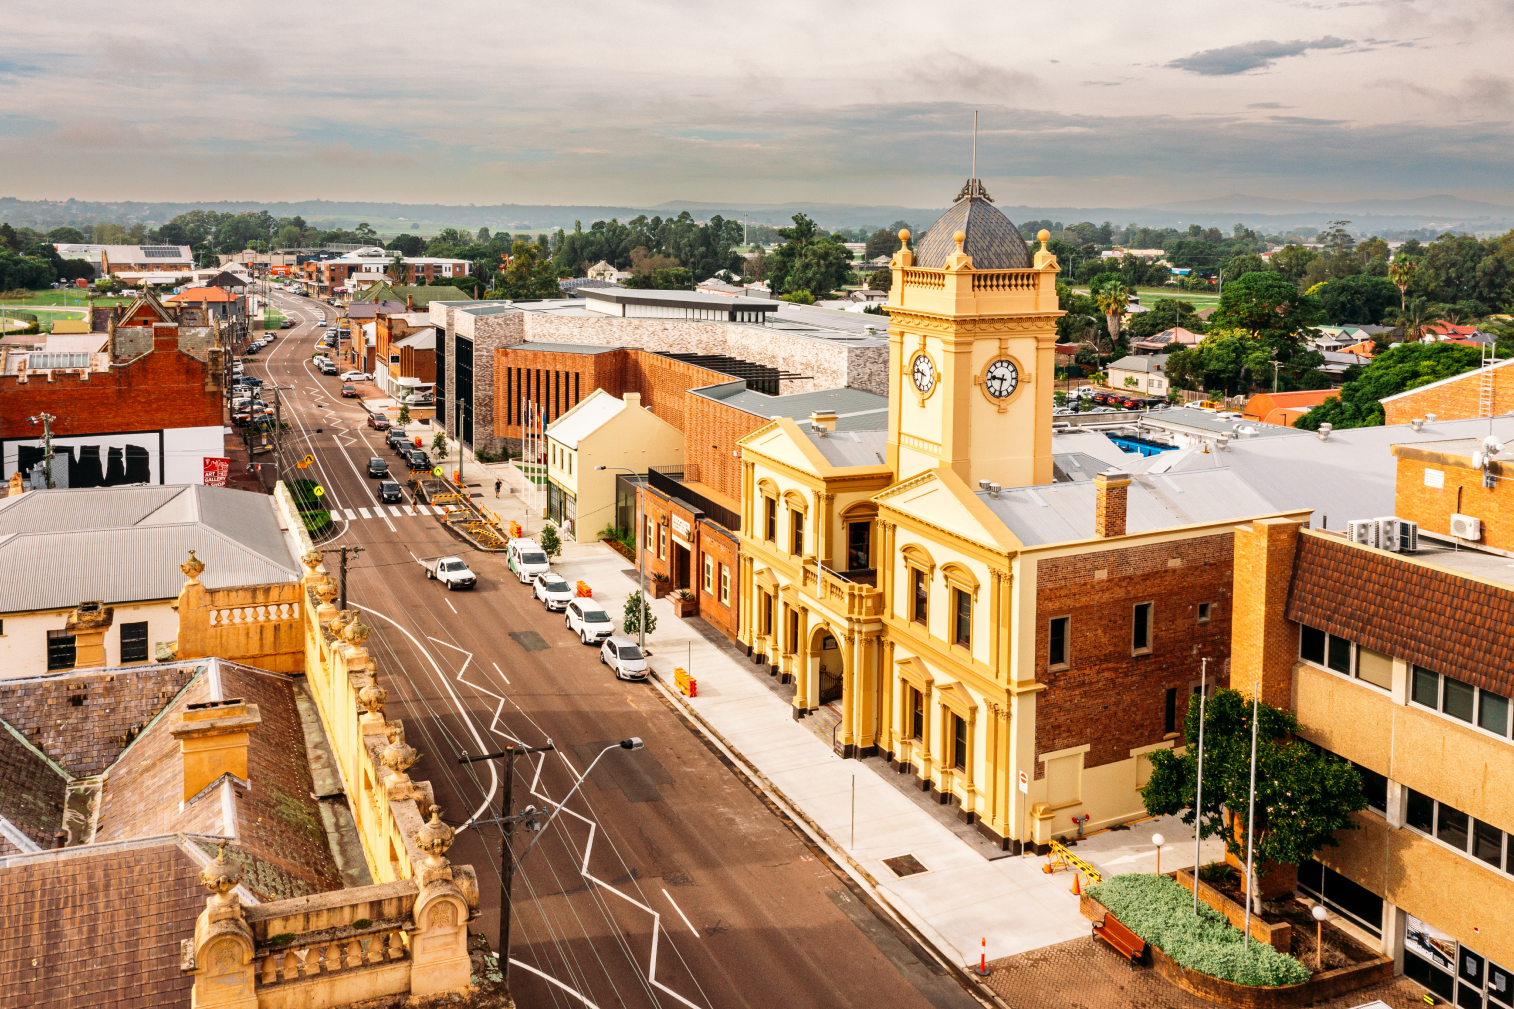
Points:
[(394, 510), (422, 509), (409, 511), (350, 513), (364, 512)]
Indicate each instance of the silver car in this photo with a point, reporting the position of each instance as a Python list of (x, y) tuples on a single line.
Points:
[(621, 654)]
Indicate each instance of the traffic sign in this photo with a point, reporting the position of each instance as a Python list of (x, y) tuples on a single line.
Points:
[(321, 492), (437, 472), (1024, 782), (305, 462)]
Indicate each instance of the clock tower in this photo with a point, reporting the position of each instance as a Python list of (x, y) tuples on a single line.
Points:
[(972, 321)]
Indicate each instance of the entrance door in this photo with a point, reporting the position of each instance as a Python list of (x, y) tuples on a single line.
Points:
[(830, 670), (680, 567)]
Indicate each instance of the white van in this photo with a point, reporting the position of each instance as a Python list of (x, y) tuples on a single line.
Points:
[(526, 559)]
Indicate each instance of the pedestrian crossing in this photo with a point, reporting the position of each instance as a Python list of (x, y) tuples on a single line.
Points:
[(382, 511)]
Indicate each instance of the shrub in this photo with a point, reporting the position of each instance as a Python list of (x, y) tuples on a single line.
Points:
[(1159, 910), (631, 623), (551, 543), (316, 520), (798, 297)]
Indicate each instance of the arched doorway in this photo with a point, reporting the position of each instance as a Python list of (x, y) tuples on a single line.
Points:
[(829, 664)]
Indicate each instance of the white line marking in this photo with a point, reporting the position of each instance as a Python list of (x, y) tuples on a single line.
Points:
[(681, 914), (350, 514), (570, 991), (449, 605), (364, 512), (409, 511), (501, 673), (394, 510)]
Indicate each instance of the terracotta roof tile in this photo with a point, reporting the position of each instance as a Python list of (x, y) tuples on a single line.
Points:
[(31, 789), (1435, 618)]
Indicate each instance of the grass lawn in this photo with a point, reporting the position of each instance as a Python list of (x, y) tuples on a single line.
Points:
[(60, 299)]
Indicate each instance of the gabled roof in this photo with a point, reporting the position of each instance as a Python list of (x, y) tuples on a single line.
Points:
[(31, 794), (123, 544), (1145, 363)]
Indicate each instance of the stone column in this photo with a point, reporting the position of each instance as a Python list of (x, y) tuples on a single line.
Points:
[(848, 695), (888, 697), (220, 954), (439, 944)]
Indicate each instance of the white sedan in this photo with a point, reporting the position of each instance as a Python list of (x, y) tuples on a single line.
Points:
[(554, 593), (356, 376)]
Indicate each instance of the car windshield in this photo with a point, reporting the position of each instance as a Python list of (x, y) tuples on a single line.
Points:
[(630, 652), (535, 557), (376, 461), (389, 487), (596, 617), (454, 566), (554, 585)]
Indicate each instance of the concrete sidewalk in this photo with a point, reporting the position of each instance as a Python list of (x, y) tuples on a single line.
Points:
[(962, 897)]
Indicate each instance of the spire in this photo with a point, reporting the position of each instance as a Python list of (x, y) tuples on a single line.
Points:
[(973, 188)]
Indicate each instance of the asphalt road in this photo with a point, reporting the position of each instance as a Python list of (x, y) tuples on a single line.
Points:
[(664, 844)]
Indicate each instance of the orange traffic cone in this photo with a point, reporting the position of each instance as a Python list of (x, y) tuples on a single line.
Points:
[(1077, 885)]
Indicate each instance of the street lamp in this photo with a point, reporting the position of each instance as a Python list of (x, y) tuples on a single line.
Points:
[(1159, 840), (634, 743), (641, 567), (1318, 911)]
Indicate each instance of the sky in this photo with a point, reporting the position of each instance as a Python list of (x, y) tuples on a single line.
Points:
[(1099, 103)]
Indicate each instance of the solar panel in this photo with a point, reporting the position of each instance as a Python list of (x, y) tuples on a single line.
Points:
[(162, 251)]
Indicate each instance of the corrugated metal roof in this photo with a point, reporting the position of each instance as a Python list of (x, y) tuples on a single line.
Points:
[(851, 448), (124, 544)]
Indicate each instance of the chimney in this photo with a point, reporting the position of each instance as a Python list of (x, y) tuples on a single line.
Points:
[(409, 302), (88, 623), (823, 421), (632, 399), (1109, 512), (213, 739)]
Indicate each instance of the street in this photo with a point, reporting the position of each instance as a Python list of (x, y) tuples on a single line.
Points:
[(669, 879)]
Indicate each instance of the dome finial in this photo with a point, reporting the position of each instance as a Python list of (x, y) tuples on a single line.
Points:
[(1043, 236), (959, 237)]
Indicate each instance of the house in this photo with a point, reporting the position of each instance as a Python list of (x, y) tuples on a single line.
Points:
[(601, 271), (1286, 407), (1167, 341), (1143, 373), (100, 607), (148, 409), (585, 447), (222, 302), (1384, 649), (108, 259), (325, 275), (390, 329)]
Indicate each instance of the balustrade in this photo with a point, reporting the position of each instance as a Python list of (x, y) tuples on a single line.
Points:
[(296, 960)]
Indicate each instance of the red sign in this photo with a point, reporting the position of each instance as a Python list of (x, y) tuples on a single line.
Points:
[(216, 470)]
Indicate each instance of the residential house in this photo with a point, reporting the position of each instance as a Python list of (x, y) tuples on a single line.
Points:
[(1142, 373), (1167, 341), (602, 431), (1286, 407)]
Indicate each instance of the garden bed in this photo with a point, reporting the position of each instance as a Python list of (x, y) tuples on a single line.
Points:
[(1288, 914)]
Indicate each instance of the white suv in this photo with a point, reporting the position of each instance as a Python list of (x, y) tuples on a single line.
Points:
[(588, 620), (526, 559), (622, 655), (554, 593)]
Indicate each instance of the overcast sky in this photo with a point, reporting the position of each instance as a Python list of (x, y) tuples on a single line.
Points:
[(1098, 103)]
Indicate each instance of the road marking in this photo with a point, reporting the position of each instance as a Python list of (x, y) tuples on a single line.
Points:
[(553, 980), (501, 673), (409, 511), (681, 914), (449, 605), (351, 514), (394, 510), (364, 512)]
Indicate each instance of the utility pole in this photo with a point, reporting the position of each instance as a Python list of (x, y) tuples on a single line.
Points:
[(345, 551), (507, 821), (46, 420)]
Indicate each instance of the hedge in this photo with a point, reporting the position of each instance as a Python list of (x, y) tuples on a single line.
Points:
[(1160, 910)]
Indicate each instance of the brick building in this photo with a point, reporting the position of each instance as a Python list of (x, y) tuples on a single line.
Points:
[(1483, 392), (1397, 660), (148, 409), (328, 274)]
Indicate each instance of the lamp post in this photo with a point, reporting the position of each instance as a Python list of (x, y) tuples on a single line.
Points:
[(1198, 786), (634, 743), (1319, 931), (1158, 840), (641, 566)]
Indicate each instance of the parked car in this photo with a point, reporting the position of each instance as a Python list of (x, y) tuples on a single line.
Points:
[(356, 376), (621, 654), (378, 422), (287, 324), (450, 571), (253, 381), (588, 620), (389, 492), (349, 390), (398, 441), (418, 460), (526, 559), (327, 368), (378, 468), (554, 593)]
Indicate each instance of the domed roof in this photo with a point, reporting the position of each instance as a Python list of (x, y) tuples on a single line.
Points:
[(992, 240)]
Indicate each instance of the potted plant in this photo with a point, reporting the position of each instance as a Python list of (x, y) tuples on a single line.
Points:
[(660, 584), (685, 604)]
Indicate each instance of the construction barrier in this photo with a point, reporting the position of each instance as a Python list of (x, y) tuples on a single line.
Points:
[(515, 530), (1060, 858), (686, 684), (585, 591)]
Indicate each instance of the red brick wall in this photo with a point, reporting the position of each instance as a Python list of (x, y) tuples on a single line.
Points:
[(1459, 399), (1107, 697), (721, 548), (164, 389), (709, 443)]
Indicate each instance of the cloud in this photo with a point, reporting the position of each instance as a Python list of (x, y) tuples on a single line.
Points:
[(1238, 59), (955, 74), (1479, 92), (1268, 105)]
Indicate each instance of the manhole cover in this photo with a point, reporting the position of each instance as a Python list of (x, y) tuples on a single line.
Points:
[(530, 641), (904, 865)]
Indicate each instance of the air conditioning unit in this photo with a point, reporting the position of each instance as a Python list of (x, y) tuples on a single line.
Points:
[(1398, 535), (1466, 527), (1363, 531)]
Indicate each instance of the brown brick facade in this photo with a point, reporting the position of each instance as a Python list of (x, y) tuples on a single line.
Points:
[(664, 523), (1106, 696), (1458, 398)]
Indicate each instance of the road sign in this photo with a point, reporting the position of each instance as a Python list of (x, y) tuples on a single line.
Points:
[(321, 492), (1024, 782), (437, 472), (305, 462)]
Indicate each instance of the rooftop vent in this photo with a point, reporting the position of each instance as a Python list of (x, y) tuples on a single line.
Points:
[(993, 490), (1324, 431)]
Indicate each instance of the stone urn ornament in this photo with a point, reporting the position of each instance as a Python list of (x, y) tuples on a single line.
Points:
[(355, 633), (434, 838), (339, 623), (325, 591), (399, 756), (372, 697), (192, 567), (312, 561), (220, 876)]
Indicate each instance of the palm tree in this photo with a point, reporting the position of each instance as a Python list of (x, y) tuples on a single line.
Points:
[(1114, 302), (1401, 272), (1412, 318)]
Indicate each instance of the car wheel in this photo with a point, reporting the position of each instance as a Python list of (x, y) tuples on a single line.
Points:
[(567, 622), (583, 636), (602, 661), (430, 575)]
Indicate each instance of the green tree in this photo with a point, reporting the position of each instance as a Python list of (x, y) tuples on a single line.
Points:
[(551, 543), (1402, 275), (1397, 369), (1357, 300), (631, 622), (404, 417), (882, 242), (1113, 301), (880, 280), (439, 445), (407, 245), (1270, 307), (527, 277), (1303, 797), (1164, 314), (807, 261), (1292, 261), (1242, 265)]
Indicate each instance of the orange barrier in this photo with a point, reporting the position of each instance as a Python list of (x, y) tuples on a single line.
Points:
[(585, 591), (515, 530), (686, 684)]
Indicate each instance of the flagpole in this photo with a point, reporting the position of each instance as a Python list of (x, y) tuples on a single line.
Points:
[(1198, 788), (1251, 820)]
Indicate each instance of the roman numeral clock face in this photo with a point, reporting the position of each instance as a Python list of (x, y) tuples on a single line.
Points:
[(1002, 378)]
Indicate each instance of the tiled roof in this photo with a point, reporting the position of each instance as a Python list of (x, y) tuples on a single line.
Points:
[(1435, 618), (86, 929), (115, 705), (992, 241), (31, 790), (277, 821)]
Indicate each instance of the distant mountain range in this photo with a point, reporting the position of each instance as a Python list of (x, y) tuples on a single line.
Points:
[(1437, 213)]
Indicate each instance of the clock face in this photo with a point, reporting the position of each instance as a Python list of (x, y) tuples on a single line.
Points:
[(923, 371), (1002, 378)]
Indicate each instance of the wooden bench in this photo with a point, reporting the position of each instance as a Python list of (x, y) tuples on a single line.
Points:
[(1129, 945)]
